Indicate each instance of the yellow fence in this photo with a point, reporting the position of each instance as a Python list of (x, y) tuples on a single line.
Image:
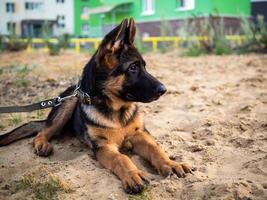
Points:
[(77, 42)]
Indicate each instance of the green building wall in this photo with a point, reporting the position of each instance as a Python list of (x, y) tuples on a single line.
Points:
[(164, 10)]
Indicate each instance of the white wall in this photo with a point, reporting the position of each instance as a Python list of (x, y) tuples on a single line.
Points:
[(49, 10)]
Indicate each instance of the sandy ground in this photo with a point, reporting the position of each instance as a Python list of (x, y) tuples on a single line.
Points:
[(214, 116)]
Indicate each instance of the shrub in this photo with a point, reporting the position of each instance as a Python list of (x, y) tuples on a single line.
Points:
[(213, 29), (140, 44), (194, 50), (14, 43), (1, 42), (54, 49), (64, 40), (165, 31), (256, 34)]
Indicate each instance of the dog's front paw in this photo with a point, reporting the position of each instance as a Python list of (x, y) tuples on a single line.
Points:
[(42, 147), (134, 182), (171, 167)]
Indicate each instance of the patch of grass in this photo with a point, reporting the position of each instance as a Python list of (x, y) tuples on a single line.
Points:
[(2, 126), (256, 35), (21, 75), (222, 48), (212, 29), (194, 51), (144, 195), (14, 43), (40, 114), (15, 120), (21, 72), (46, 190), (54, 49)]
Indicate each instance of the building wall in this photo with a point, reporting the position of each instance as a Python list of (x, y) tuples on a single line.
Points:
[(49, 10), (83, 18), (168, 10)]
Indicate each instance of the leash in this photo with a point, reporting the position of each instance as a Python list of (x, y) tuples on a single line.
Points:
[(48, 103)]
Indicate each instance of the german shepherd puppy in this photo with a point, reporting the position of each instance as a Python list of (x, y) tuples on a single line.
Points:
[(116, 78)]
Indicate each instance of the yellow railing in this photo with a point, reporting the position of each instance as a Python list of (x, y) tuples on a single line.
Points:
[(153, 40)]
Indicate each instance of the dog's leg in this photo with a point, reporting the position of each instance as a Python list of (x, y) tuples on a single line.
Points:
[(132, 178), (56, 120), (144, 145)]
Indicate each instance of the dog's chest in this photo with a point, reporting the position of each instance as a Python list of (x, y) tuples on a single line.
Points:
[(103, 130)]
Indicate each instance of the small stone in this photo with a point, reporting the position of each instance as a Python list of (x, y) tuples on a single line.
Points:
[(196, 148), (210, 142)]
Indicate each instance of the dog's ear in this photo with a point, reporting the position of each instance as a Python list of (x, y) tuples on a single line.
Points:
[(131, 31), (111, 44), (115, 39)]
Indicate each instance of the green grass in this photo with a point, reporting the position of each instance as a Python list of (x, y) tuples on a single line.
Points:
[(46, 190), (21, 76), (40, 114), (194, 51), (21, 72), (15, 120), (144, 195)]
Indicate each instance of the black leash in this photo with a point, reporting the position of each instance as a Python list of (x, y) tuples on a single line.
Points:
[(28, 108), (49, 103)]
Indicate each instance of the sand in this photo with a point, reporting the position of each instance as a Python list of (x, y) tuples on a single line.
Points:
[(214, 116)]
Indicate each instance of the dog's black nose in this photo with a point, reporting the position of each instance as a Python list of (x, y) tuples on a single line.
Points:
[(161, 89)]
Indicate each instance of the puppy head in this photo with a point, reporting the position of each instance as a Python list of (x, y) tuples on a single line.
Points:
[(125, 68)]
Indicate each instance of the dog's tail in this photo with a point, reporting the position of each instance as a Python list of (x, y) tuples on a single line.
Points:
[(23, 131)]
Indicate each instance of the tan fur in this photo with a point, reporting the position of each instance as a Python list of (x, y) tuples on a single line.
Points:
[(110, 140), (41, 141), (112, 88), (110, 61), (116, 134), (121, 165)]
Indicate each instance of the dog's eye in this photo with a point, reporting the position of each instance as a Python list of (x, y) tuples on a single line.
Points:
[(133, 67)]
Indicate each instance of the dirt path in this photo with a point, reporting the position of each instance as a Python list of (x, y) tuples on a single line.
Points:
[(213, 116)]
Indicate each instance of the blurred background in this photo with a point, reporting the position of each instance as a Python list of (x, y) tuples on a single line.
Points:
[(212, 25)]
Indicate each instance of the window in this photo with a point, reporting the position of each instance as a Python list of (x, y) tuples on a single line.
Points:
[(60, 1), (60, 18), (61, 21), (85, 29), (185, 4), (61, 25), (10, 7), (11, 27), (84, 10), (84, 13), (33, 5), (148, 7)]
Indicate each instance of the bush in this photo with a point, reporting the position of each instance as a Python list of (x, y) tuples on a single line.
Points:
[(256, 35), (194, 50), (14, 43), (213, 29), (165, 31), (64, 40), (54, 49), (2, 43), (140, 44)]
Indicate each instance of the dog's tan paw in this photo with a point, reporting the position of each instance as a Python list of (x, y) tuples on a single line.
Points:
[(134, 182), (42, 147), (172, 167)]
